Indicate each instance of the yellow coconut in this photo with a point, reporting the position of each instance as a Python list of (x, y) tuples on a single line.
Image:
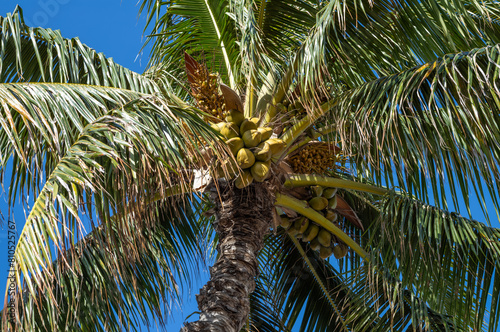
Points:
[(243, 180), (245, 158), (217, 126), (263, 152), (255, 120), (260, 170), (318, 203), (247, 125), (251, 138), (324, 237), (266, 132), (277, 145), (229, 130), (235, 117), (235, 144), (310, 233)]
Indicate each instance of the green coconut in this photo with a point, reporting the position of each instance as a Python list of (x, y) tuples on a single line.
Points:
[(285, 222), (266, 132), (324, 237), (318, 203), (235, 144), (330, 215), (247, 125), (251, 138), (332, 203), (243, 180), (329, 192), (263, 152), (245, 158), (310, 233), (325, 252), (301, 224), (260, 170), (317, 190), (217, 126), (293, 231), (340, 251), (229, 130), (235, 117), (314, 244), (228, 168)]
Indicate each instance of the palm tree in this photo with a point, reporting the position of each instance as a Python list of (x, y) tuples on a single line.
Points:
[(343, 127)]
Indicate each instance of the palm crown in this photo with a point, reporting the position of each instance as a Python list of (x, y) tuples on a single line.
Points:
[(333, 124)]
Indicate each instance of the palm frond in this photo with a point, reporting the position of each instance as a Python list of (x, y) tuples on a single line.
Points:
[(41, 121), (296, 279), (451, 262), (90, 297), (115, 162), (255, 64), (43, 55), (201, 28), (283, 25), (437, 122), (355, 42)]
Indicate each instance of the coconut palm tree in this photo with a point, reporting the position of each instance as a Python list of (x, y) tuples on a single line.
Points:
[(276, 133)]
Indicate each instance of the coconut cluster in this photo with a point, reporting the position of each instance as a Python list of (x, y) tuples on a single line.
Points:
[(324, 201), (313, 158), (251, 145), (206, 92)]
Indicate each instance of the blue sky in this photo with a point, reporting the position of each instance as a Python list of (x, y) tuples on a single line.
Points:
[(109, 26)]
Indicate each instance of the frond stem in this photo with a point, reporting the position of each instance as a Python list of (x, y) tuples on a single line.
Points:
[(303, 180), (232, 82)]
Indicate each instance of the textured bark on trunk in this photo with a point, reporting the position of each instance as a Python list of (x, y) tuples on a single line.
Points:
[(243, 217)]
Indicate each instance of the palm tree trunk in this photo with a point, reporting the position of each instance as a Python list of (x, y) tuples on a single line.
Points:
[(243, 217)]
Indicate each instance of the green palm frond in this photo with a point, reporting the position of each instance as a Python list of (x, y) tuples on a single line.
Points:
[(115, 162), (437, 250), (264, 316), (43, 55), (91, 296), (293, 287), (41, 121), (295, 284), (284, 25), (439, 122), (202, 28), (357, 42), (255, 64)]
